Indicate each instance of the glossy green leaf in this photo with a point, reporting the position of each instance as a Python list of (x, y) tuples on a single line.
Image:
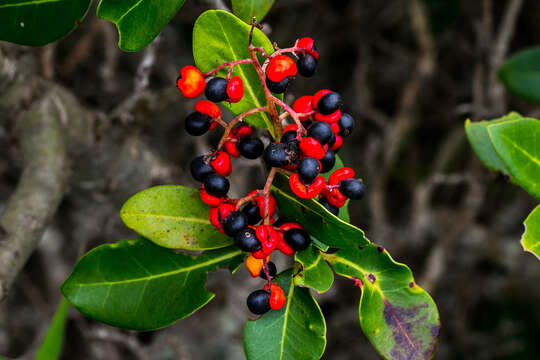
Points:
[(329, 229), (521, 74), (247, 9), (296, 331), (398, 317), (314, 271), (139, 285), (517, 143), (479, 139), (138, 21), (219, 36), (40, 22), (51, 347), (174, 217), (531, 238)]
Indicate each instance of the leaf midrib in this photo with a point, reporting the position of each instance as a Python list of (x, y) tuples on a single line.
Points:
[(33, 2), (284, 331), (171, 217)]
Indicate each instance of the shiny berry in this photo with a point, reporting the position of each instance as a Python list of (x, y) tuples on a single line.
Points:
[(277, 297), (303, 105), (277, 87), (346, 125), (340, 174), (234, 223), (352, 188), (329, 103), (216, 89), (306, 64), (190, 82), (320, 131), (312, 148), (288, 137), (297, 239), (280, 67), (252, 213), (275, 155), (208, 108), (333, 209), (272, 271), (247, 241), (308, 169), (328, 161), (305, 43), (221, 163), (258, 302), (318, 95), (216, 185), (250, 147), (197, 124), (235, 89), (200, 169)]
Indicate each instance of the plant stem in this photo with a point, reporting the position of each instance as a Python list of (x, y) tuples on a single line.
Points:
[(236, 120), (230, 64)]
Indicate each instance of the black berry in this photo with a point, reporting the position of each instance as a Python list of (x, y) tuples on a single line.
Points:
[(288, 137), (346, 125), (216, 185), (334, 210), (216, 90), (252, 213), (277, 87), (275, 155), (328, 161), (197, 124), (247, 241), (250, 147), (297, 239), (321, 131), (272, 271), (258, 302), (200, 169), (234, 223), (329, 103), (352, 188), (308, 169), (306, 64)]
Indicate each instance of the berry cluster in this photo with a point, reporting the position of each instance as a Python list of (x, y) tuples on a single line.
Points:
[(305, 150)]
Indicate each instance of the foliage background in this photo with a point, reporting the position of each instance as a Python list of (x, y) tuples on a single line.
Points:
[(430, 201)]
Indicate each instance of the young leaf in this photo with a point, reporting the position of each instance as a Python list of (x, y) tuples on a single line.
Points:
[(174, 217), (138, 21), (51, 347), (315, 272), (531, 238), (330, 230), (141, 286), (521, 74), (219, 36), (398, 317), (516, 143), (296, 331), (38, 23), (247, 9), (479, 138)]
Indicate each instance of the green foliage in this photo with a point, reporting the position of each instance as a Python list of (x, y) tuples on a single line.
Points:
[(531, 238), (247, 9), (521, 74), (219, 36), (398, 317), (314, 272), (138, 21), (329, 229), (38, 23), (173, 217), (51, 347), (296, 331), (139, 285)]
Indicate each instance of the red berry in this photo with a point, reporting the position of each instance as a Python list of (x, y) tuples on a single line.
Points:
[(268, 238), (284, 247), (243, 130), (303, 191), (290, 225), (190, 82), (312, 148), (338, 143), (340, 174), (209, 199), (335, 127), (218, 214), (303, 105), (334, 197), (259, 254), (279, 67), (208, 108), (308, 44), (261, 204), (318, 95), (330, 119), (277, 297), (221, 163), (235, 89), (290, 127)]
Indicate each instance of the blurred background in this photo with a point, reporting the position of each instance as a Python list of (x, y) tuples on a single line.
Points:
[(410, 73)]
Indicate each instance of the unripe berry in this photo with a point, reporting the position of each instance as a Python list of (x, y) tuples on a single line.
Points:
[(308, 169), (272, 271), (277, 87), (190, 82), (250, 147), (234, 223), (320, 131), (328, 161), (306, 64), (297, 239), (352, 188), (346, 125), (275, 155), (247, 241), (197, 124), (216, 185), (235, 89), (200, 169), (258, 302), (279, 67), (329, 103), (216, 89)]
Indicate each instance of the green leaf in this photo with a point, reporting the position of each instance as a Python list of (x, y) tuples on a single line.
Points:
[(139, 285), (479, 138), (247, 9), (40, 22), (296, 331), (531, 238), (219, 36), (174, 217), (315, 272), (329, 229), (521, 74), (517, 144), (398, 317), (51, 347), (138, 21), (344, 210)]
